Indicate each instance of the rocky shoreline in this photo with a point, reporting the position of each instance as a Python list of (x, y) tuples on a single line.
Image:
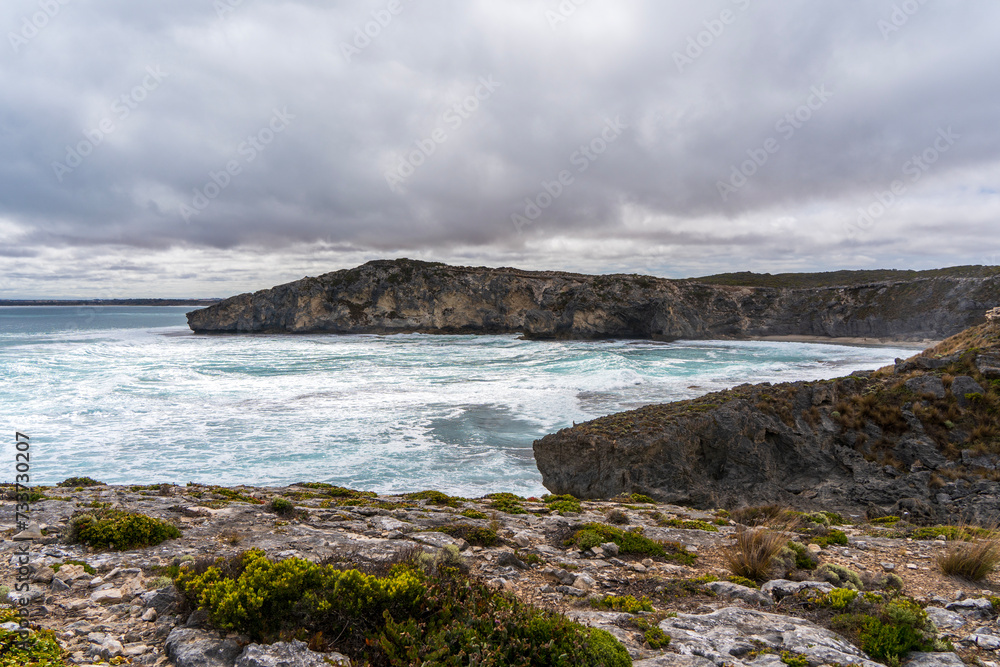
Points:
[(119, 607), (921, 437), (406, 296)]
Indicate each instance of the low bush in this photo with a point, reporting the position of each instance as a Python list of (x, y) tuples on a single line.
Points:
[(507, 503), (403, 618), (686, 524), (625, 603), (473, 514), (281, 506), (80, 481), (630, 542), (838, 537), (435, 498), (753, 552), (115, 529), (39, 649), (562, 503), (479, 536), (839, 576), (890, 632)]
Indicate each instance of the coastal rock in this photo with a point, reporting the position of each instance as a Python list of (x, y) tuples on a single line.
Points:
[(288, 654), (962, 386), (926, 384), (732, 632), (934, 660), (197, 648), (403, 295), (737, 592), (781, 588)]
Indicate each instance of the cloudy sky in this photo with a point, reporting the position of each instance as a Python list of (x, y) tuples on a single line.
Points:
[(205, 148)]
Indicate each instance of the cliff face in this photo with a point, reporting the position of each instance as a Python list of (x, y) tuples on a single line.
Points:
[(922, 437), (407, 296)]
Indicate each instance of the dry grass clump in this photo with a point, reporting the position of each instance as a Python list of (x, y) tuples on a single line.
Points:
[(764, 515), (754, 551), (973, 560)]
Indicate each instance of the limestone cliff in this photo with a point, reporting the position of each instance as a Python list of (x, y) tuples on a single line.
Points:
[(921, 437), (408, 296)]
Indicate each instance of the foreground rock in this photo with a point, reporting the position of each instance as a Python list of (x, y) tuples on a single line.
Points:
[(897, 441), (409, 296), (108, 605)]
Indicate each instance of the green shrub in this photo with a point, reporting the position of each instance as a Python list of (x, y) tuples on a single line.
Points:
[(86, 567), (403, 618), (632, 542), (435, 498), (833, 537), (641, 499), (115, 529), (839, 576), (794, 659), (898, 628), (39, 649), (473, 514), (687, 524), (507, 503), (801, 557), (742, 581), (839, 598), (80, 481), (625, 603), (884, 521), (281, 506), (479, 536), (563, 503), (235, 495), (656, 638), (588, 539)]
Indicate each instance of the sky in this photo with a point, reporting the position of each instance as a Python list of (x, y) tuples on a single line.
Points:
[(207, 148)]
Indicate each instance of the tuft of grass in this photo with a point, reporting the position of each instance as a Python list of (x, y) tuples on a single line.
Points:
[(764, 515), (753, 552), (971, 560), (617, 517)]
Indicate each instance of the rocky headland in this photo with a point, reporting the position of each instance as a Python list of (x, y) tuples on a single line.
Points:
[(654, 576), (920, 438), (401, 296)]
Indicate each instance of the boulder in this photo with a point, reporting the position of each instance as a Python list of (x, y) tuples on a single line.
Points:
[(989, 365), (196, 648), (732, 632), (944, 619), (674, 660), (288, 654), (163, 600), (972, 607), (962, 386), (733, 591), (926, 384), (781, 588)]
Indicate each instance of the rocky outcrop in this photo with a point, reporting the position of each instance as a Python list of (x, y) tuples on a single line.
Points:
[(407, 296), (919, 438)]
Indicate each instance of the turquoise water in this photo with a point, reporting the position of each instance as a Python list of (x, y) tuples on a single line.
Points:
[(128, 394)]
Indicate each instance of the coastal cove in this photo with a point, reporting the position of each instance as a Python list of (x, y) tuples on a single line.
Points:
[(129, 395)]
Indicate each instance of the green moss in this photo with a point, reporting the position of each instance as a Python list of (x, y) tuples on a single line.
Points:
[(86, 567), (832, 537), (402, 618), (473, 514), (114, 529), (742, 581), (562, 504), (884, 521), (794, 659)]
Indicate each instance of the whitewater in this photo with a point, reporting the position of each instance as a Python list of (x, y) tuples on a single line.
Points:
[(130, 395)]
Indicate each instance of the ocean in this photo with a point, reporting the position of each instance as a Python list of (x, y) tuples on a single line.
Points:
[(130, 395)]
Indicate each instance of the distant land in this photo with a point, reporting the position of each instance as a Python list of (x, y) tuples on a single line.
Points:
[(407, 296), (108, 302)]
